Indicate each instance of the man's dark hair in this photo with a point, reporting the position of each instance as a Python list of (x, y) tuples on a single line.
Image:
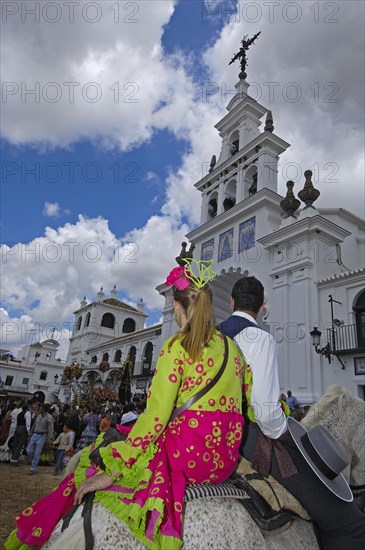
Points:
[(248, 294)]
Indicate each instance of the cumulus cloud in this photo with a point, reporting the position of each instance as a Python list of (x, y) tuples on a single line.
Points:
[(106, 82), (51, 209), (47, 277)]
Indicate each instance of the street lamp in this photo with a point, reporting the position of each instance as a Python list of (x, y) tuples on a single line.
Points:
[(326, 350), (316, 339)]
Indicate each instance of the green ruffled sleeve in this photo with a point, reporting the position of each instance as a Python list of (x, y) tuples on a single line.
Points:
[(139, 448)]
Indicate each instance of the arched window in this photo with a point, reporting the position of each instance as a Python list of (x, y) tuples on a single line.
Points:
[(129, 325), (118, 356), (94, 359), (108, 320), (78, 323), (359, 309), (212, 206), (105, 356), (132, 356), (147, 357), (87, 320), (250, 182), (230, 195), (234, 142)]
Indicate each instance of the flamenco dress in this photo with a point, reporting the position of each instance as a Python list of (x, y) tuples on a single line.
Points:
[(160, 457)]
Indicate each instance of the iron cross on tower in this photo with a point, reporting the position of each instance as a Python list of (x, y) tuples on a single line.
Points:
[(241, 54)]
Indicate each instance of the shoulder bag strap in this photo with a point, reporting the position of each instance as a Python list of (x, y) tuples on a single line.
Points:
[(206, 389)]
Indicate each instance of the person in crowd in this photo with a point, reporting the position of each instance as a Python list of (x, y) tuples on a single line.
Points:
[(21, 434), (73, 425), (162, 455), (62, 419), (291, 400), (114, 416), (91, 431), (130, 416), (58, 405), (5, 426), (268, 444), (42, 428), (83, 421), (63, 444), (14, 415), (9, 430), (105, 422), (34, 411), (2, 409)]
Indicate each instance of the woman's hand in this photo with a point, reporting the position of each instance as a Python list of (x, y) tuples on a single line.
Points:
[(97, 482)]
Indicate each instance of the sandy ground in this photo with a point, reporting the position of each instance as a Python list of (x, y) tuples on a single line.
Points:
[(18, 490)]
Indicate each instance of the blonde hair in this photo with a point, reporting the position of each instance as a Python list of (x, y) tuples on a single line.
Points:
[(198, 330)]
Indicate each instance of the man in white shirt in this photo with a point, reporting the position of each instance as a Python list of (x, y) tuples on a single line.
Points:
[(341, 523)]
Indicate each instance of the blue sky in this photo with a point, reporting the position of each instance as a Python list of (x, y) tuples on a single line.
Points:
[(84, 180), (120, 172), (120, 179)]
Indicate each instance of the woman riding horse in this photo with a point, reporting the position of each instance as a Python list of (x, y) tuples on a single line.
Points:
[(144, 477)]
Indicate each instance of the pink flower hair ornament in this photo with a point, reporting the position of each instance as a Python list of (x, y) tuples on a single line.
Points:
[(199, 272), (177, 277)]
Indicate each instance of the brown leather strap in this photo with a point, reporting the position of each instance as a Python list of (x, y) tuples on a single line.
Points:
[(207, 388)]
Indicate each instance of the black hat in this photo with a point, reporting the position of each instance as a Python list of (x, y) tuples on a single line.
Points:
[(39, 396), (324, 455)]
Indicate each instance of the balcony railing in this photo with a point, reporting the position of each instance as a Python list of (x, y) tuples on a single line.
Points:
[(347, 338)]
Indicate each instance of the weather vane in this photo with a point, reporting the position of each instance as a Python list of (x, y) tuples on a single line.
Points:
[(241, 54)]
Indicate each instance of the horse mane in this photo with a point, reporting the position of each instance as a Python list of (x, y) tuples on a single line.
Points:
[(333, 394)]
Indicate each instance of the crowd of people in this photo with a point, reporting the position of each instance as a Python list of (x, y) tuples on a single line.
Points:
[(50, 433)]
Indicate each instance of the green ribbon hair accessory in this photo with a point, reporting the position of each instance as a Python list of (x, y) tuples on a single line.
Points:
[(199, 272)]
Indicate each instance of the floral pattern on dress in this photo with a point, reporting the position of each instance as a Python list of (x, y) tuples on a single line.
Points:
[(160, 457)]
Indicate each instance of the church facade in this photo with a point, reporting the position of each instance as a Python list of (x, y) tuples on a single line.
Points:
[(311, 261)]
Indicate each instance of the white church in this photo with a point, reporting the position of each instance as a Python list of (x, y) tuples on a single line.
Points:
[(311, 262)]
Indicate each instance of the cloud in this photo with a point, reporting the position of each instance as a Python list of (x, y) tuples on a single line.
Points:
[(102, 84), (46, 278), (51, 209), (151, 176)]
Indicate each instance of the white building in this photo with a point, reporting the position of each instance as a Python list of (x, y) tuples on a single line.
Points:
[(108, 330), (36, 369)]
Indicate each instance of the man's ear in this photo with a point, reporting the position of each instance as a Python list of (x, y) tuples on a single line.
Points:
[(261, 309), (232, 303)]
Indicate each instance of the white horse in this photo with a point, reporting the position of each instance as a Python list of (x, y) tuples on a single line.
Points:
[(217, 523)]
